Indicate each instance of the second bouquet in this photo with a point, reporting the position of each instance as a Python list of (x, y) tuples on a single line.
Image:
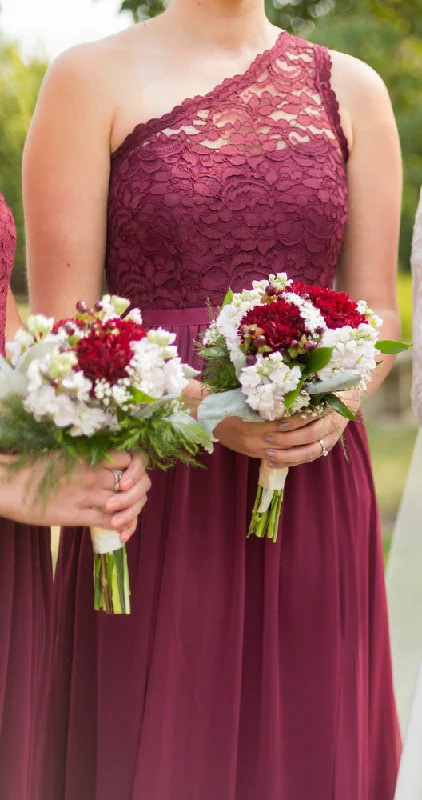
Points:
[(283, 348), (84, 387)]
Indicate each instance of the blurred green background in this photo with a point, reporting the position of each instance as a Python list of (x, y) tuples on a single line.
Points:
[(387, 34)]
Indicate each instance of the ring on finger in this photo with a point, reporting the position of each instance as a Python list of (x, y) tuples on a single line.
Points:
[(117, 477), (324, 451)]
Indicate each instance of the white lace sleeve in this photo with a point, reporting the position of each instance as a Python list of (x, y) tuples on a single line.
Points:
[(417, 314)]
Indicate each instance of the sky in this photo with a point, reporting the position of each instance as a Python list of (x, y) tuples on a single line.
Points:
[(50, 26)]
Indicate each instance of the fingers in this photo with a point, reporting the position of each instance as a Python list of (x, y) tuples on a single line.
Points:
[(125, 519), (123, 500), (297, 437), (118, 461), (134, 472), (301, 455)]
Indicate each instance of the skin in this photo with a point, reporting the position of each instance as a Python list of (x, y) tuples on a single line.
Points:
[(93, 97), (87, 498)]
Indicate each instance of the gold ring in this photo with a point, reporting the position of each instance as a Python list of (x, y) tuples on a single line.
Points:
[(324, 451), (117, 476)]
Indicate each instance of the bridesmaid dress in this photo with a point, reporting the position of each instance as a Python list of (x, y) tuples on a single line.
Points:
[(26, 603), (248, 670)]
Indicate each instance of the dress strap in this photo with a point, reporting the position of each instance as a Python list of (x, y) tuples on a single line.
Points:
[(324, 66)]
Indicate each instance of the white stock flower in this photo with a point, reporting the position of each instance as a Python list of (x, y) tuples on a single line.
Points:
[(77, 385), (35, 376), (354, 350), (174, 377), (20, 343), (44, 402), (57, 364), (266, 384), (88, 420)]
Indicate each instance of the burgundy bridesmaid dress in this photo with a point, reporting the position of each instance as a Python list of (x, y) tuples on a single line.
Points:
[(26, 602), (247, 670)]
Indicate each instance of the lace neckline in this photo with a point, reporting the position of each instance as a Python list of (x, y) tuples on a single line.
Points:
[(261, 61)]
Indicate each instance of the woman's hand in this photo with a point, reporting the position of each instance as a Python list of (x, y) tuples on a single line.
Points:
[(85, 498), (288, 442)]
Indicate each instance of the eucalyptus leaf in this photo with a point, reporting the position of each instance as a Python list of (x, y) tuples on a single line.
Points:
[(338, 383)]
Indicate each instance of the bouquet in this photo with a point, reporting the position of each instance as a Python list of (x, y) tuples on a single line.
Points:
[(283, 348), (88, 385)]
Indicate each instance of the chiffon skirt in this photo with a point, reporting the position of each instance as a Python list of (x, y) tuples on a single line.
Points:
[(247, 670), (26, 604)]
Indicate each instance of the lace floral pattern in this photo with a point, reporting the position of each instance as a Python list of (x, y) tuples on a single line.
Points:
[(227, 187), (417, 314), (7, 253)]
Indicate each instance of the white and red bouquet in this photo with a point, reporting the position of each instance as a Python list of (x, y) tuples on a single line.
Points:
[(283, 348), (89, 385)]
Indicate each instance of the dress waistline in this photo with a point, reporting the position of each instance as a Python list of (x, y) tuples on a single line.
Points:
[(175, 317)]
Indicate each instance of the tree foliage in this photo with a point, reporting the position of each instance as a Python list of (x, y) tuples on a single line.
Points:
[(19, 86)]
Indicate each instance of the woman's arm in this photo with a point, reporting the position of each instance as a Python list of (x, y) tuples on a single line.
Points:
[(13, 320), (417, 315), (65, 183)]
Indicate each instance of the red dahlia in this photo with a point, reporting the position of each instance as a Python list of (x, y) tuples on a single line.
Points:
[(106, 352), (337, 308), (281, 324)]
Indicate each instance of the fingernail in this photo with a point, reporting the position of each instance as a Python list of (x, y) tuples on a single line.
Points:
[(124, 537), (269, 438), (270, 453), (283, 426)]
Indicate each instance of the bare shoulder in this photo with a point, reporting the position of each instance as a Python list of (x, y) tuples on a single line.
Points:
[(359, 88)]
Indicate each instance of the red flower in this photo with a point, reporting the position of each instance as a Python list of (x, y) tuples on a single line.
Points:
[(279, 324), (336, 308), (106, 351)]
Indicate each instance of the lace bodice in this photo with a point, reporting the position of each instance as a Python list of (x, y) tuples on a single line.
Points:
[(227, 187), (417, 314), (7, 253)]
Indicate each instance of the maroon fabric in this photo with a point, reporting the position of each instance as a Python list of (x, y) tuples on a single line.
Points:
[(248, 670), (25, 617)]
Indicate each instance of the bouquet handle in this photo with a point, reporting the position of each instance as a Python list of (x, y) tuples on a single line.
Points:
[(269, 499)]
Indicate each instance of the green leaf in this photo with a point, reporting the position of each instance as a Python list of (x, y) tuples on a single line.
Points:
[(291, 397), (228, 298), (391, 348), (141, 397), (340, 407), (317, 359)]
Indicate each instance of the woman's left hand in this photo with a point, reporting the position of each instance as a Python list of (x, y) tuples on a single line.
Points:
[(303, 439), (126, 505)]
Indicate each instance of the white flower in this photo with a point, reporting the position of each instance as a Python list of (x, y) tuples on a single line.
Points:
[(174, 377), (135, 316), (160, 337), (35, 376), (87, 420), (211, 335), (113, 306), (39, 325), (44, 402), (77, 385), (21, 342), (57, 364), (121, 395), (354, 350)]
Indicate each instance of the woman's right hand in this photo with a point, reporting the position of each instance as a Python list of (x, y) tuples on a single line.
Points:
[(85, 498)]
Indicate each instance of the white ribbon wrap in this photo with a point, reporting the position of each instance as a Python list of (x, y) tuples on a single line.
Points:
[(271, 480), (104, 541)]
